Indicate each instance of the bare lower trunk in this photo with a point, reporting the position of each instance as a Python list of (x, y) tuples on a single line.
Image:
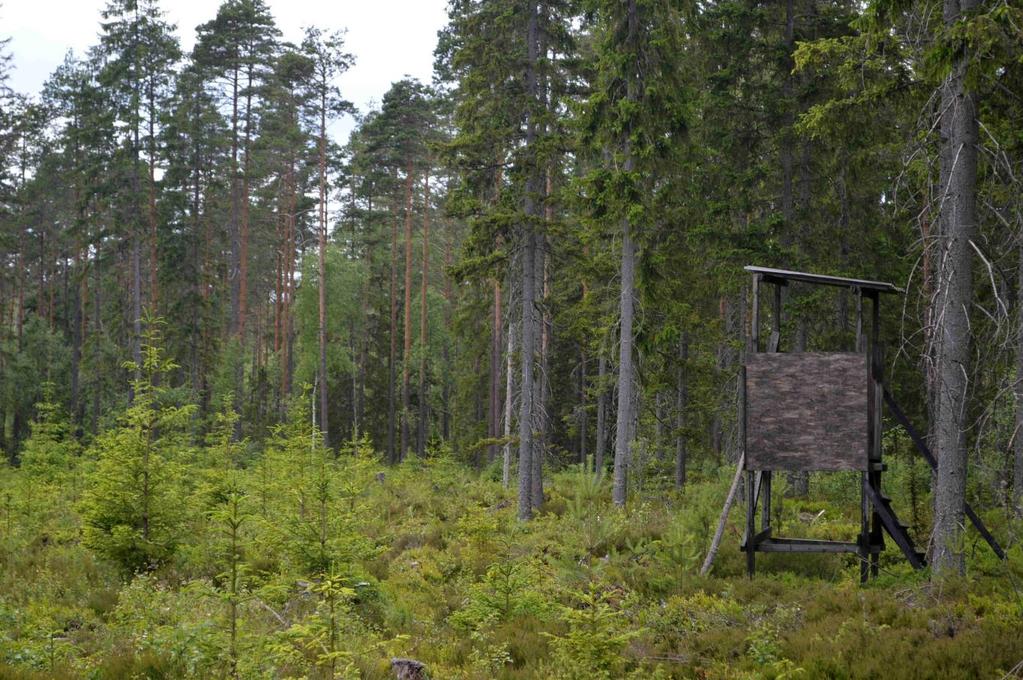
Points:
[(626, 399), (681, 405), (243, 264), (497, 337), (392, 361), (77, 337), (406, 358), (1017, 478), (600, 444), (958, 216), (446, 352), (526, 388), (136, 306), (623, 434), (583, 419), (509, 386), (424, 325), (529, 243), (543, 386), (322, 334), (154, 289)]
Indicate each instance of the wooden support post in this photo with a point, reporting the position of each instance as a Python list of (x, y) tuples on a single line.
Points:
[(875, 394), (754, 329), (774, 346), (859, 320), (751, 525), (716, 542), (864, 542), (775, 342), (865, 480), (752, 480)]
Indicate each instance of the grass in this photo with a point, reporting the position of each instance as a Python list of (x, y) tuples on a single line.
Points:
[(436, 567)]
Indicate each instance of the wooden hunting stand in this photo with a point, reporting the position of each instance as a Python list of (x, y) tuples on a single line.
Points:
[(822, 411)]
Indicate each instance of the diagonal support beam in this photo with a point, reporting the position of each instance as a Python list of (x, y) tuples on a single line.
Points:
[(922, 447)]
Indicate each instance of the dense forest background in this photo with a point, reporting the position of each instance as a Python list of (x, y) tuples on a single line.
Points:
[(237, 354)]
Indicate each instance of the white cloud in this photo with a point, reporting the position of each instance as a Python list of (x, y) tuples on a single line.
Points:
[(390, 38)]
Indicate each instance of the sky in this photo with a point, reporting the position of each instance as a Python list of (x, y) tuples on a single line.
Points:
[(389, 38)]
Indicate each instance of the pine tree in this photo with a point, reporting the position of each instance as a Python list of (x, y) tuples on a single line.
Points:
[(329, 61), (235, 51), (135, 55)]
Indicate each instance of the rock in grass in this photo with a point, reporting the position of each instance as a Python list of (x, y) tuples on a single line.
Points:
[(409, 669)]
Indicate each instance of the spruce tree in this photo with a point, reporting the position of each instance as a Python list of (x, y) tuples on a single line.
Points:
[(131, 509)]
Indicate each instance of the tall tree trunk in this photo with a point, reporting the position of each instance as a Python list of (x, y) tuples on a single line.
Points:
[(322, 334), (623, 434), (626, 401), (446, 352), (424, 317), (97, 326), (136, 254), (600, 443), (659, 397), (787, 140), (136, 304), (291, 202), (243, 265), (279, 283), (509, 386), (353, 348), (583, 416), (235, 217), (76, 344), (542, 385), (681, 406), (958, 223), (526, 389), (360, 413), (1017, 477), (154, 290), (406, 359), (496, 340), (392, 361), (723, 355)]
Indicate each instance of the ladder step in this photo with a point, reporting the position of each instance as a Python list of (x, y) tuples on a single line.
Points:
[(894, 527)]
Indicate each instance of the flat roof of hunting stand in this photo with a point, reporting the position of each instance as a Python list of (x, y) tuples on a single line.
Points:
[(821, 279)]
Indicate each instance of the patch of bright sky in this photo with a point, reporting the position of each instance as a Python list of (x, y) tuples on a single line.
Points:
[(389, 38)]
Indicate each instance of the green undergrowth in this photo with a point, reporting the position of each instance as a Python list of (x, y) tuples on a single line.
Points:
[(329, 567)]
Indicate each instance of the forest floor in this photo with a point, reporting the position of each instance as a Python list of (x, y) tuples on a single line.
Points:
[(429, 562)]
